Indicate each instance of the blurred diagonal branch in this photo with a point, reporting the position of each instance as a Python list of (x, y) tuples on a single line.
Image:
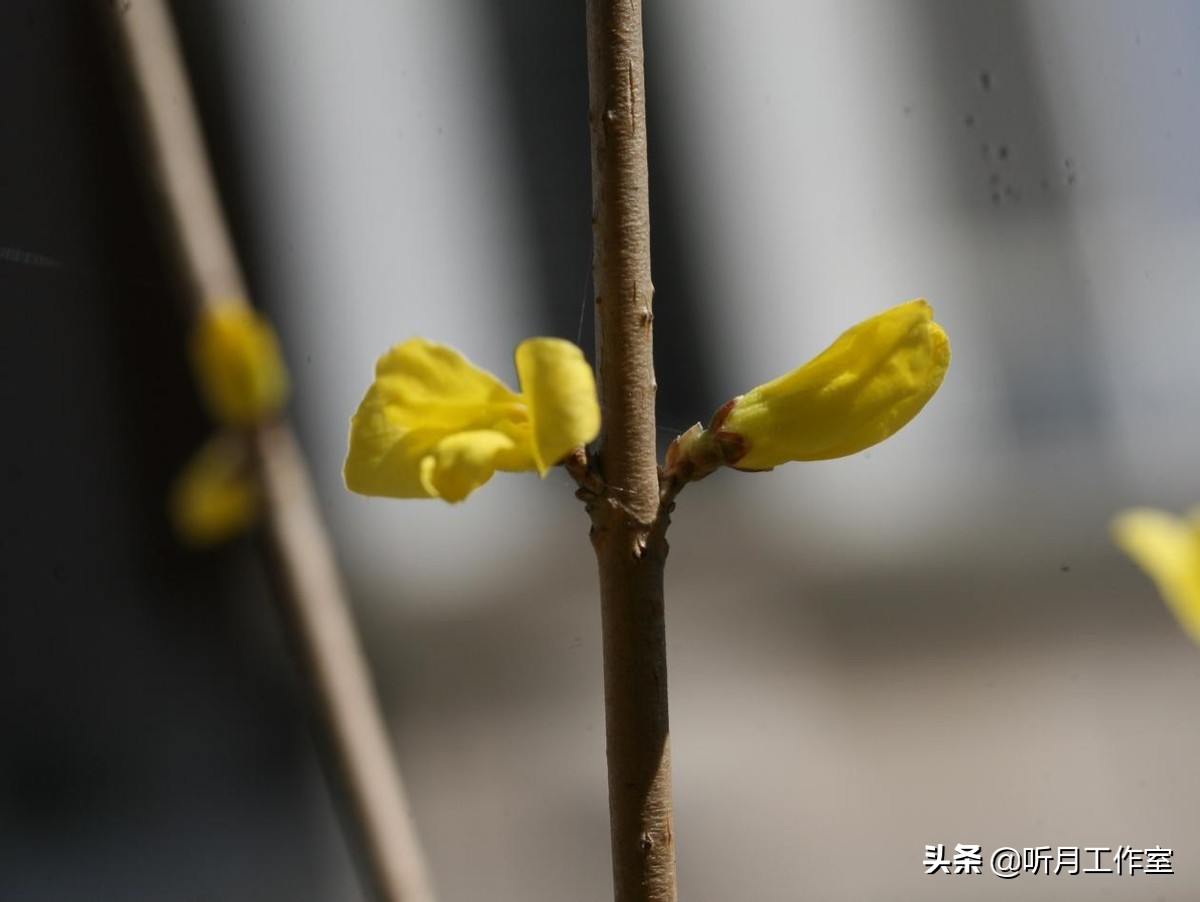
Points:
[(629, 521), (308, 584)]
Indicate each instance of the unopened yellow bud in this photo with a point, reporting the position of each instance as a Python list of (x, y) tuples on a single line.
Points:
[(861, 389)]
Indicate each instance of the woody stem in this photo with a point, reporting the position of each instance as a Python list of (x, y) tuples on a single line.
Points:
[(629, 523)]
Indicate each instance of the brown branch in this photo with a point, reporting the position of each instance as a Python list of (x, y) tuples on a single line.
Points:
[(629, 523), (308, 584)]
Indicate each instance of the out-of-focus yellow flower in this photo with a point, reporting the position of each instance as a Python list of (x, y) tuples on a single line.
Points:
[(1168, 549), (238, 366), (434, 425), (215, 497), (861, 389), (242, 379)]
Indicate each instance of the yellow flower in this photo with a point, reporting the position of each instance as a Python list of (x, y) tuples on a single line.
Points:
[(1168, 549), (434, 425), (861, 389), (238, 366), (215, 497)]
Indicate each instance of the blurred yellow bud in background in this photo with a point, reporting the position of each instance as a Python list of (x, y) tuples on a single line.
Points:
[(216, 496), (1168, 549), (237, 363)]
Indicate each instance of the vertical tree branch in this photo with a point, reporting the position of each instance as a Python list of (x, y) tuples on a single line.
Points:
[(628, 521), (308, 584)]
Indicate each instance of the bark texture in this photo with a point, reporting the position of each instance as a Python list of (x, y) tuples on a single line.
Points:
[(628, 519)]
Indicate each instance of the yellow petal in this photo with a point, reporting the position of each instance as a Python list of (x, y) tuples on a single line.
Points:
[(238, 365), (215, 497), (1168, 549), (462, 462), (861, 389), (424, 393), (385, 456), (560, 390), (432, 386)]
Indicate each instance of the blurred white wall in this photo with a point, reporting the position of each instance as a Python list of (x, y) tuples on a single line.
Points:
[(1123, 82)]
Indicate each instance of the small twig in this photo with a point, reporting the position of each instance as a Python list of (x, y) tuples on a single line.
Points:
[(308, 584), (629, 526)]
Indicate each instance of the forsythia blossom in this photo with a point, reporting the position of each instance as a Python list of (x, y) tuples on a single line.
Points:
[(861, 389), (242, 379), (1168, 549), (434, 425)]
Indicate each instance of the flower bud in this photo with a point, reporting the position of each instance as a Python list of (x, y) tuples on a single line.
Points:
[(238, 365), (1168, 549), (216, 496), (861, 389)]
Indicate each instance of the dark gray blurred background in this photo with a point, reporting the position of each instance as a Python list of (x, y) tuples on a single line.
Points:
[(929, 642)]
